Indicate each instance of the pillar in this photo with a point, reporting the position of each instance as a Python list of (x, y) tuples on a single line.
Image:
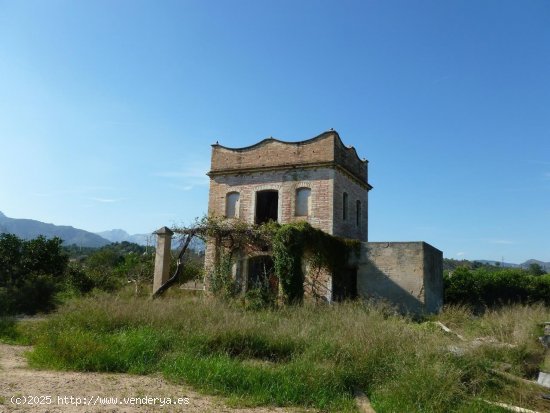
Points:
[(162, 257)]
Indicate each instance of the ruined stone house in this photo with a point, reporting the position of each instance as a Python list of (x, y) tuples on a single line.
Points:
[(325, 183)]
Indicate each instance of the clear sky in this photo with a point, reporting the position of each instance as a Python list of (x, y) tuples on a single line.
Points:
[(108, 109)]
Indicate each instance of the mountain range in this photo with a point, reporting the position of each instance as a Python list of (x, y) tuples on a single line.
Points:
[(30, 228), (525, 265), (119, 235)]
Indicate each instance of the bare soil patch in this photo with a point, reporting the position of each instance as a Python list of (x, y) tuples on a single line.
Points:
[(17, 380)]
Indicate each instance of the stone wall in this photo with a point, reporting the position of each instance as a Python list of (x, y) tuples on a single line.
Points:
[(407, 274)]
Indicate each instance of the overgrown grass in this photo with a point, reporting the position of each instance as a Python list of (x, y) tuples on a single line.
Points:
[(310, 356), (16, 332)]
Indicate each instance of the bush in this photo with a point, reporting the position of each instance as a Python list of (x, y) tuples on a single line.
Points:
[(494, 287)]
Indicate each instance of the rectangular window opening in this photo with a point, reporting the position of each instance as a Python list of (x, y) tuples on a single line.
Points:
[(267, 206)]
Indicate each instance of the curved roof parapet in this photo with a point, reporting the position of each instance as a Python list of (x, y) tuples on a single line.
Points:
[(326, 149), (306, 141)]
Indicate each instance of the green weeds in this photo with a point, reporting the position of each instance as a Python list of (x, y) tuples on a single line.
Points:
[(309, 356)]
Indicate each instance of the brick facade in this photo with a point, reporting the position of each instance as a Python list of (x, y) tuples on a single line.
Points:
[(323, 164), (408, 274)]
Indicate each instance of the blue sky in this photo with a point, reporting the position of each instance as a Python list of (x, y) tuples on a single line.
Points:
[(108, 109)]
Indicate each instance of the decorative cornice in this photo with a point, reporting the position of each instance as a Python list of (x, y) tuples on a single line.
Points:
[(312, 165)]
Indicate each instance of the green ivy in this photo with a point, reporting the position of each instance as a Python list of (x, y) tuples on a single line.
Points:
[(221, 281), (289, 244), (292, 241)]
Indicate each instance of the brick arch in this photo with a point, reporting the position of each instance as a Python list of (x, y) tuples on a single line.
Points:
[(267, 187), (302, 184)]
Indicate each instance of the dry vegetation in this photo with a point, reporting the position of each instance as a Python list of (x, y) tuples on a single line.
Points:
[(308, 356)]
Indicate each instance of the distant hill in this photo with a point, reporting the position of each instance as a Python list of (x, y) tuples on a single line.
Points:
[(545, 265), (499, 263), (119, 235), (525, 265), (450, 264), (30, 228)]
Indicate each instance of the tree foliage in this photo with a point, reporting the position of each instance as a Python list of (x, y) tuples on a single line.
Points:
[(493, 287), (115, 265), (31, 272), (536, 269)]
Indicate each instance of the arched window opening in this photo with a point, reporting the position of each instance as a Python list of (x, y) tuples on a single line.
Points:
[(303, 202), (261, 273), (232, 205), (358, 213)]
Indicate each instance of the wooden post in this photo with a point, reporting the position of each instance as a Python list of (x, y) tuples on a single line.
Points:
[(162, 257)]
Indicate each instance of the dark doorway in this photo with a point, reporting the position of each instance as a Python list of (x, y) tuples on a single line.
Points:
[(344, 284), (266, 206), (261, 273)]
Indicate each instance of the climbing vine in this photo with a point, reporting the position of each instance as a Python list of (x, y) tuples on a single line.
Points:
[(292, 241), (289, 244)]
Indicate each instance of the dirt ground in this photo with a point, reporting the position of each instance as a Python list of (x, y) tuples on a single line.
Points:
[(51, 391)]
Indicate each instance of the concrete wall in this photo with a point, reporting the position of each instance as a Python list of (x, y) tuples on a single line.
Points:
[(407, 274)]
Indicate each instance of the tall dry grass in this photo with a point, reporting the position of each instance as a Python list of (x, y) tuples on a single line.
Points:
[(311, 356)]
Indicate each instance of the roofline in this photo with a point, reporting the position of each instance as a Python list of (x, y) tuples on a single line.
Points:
[(297, 143)]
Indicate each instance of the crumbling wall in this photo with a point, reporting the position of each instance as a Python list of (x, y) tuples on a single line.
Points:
[(407, 274)]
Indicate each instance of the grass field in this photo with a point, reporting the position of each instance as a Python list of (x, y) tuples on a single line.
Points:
[(309, 356)]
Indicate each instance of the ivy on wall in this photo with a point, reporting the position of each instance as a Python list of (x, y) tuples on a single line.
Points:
[(292, 241), (288, 244)]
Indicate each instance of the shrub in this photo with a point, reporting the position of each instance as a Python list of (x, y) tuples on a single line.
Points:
[(494, 287)]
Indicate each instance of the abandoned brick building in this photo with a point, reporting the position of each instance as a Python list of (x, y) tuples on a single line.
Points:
[(325, 183)]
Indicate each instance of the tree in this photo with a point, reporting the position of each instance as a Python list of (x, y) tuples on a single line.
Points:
[(31, 273), (536, 269)]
